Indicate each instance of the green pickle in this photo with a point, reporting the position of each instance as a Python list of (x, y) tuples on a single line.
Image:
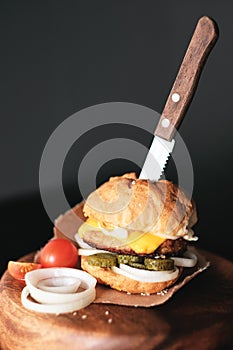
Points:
[(108, 260), (137, 265), (102, 260), (128, 259), (159, 264)]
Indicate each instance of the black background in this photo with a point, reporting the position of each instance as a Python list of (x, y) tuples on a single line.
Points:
[(58, 57)]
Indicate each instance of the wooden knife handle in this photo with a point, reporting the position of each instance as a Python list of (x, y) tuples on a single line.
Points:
[(184, 87)]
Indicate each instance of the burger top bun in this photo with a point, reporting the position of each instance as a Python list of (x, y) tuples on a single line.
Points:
[(141, 205)]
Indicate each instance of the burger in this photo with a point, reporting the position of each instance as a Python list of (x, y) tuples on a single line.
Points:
[(137, 234)]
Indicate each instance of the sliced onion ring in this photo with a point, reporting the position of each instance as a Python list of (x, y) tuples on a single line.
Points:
[(87, 252), (32, 278), (189, 260), (81, 242), (117, 232), (61, 284), (56, 308), (145, 275)]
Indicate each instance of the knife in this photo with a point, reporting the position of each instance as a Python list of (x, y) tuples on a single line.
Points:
[(204, 37)]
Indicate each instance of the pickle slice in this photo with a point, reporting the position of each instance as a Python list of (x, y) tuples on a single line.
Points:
[(128, 259), (137, 265), (102, 260), (159, 264)]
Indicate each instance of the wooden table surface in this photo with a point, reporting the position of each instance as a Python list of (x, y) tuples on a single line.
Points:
[(198, 316)]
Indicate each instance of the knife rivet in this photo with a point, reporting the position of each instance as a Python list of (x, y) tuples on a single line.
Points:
[(175, 97), (165, 123)]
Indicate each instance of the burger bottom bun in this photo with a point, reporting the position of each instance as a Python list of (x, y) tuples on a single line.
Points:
[(122, 283)]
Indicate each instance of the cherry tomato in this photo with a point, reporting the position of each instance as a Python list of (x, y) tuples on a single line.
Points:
[(18, 269), (59, 252)]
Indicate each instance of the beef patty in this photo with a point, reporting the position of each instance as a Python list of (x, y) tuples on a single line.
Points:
[(99, 240)]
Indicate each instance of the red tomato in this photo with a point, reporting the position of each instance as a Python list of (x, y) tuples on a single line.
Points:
[(18, 269), (59, 252)]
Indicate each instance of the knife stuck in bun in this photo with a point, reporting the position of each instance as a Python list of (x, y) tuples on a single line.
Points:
[(136, 234)]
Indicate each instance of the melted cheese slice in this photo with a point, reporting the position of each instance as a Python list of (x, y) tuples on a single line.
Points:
[(99, 225), (141, 243), (145, 243)]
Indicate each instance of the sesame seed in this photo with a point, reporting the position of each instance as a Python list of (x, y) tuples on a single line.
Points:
[(110, 320), (163, 292), (145, 294), (106, 312), (74, 313), (84, 317)]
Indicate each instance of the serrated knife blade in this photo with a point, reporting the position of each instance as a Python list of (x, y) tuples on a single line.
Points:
[(156, 158), (204, 37)]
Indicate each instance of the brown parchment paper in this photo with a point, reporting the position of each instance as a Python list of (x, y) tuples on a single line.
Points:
[(66, 225), (106, 295)]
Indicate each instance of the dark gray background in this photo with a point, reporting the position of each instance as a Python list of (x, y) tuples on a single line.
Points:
[(58, 57)]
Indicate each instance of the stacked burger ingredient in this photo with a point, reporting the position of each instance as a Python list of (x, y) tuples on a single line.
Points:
[(137, 234)]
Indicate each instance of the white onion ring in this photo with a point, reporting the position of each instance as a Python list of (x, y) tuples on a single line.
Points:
[(87, 252), (81, 242), (32, 278), (61, 284), (117, 232), (142, 275), (56, 308), (189, 260), (166, 236)]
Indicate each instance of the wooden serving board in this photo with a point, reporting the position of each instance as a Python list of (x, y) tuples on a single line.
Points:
[(198, 316)]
